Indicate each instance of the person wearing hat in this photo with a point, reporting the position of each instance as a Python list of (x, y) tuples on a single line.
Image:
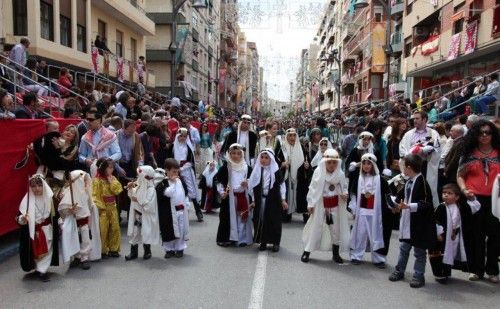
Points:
[(327, 227), (182, 150), (290, 157), (372, 217), (243, 136), (98, 142), (365, 145), (235, 216), (269, 193)]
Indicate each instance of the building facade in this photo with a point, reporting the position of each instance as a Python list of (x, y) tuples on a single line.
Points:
[(228, 77), (62, 32), (196, 49)]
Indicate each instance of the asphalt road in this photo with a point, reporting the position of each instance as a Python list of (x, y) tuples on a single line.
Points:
[(209, 276)]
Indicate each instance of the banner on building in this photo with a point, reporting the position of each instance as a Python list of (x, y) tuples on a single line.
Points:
[(470, 37), (130, 71), (378, 42), (119, 69), (95, 59), (105, 69), (430, 46), (222, 80), (454, 47)]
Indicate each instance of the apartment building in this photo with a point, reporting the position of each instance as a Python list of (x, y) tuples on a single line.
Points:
[(196, 50), (62, 31), (306, 93), (227, 81), (446, 40)]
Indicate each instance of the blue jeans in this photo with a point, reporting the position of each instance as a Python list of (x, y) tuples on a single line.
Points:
[(483, 102), (420, 260)]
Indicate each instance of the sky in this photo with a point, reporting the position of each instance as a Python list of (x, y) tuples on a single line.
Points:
[(281, 29)]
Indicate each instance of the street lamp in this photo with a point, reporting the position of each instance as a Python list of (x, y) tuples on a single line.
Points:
[(177, 5)]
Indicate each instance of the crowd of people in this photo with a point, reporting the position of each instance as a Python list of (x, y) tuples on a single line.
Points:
[(352, 176)]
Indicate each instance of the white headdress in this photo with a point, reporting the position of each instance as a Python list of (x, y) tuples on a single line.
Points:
[(236, 166), (28, 206), (318, 156), (257, 171), (373, 159), (293, 153), (145, 179), (361, 136)]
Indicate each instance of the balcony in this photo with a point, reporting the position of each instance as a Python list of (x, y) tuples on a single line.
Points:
[(396, 42), (397, 9), (133, 16), (160, 55), (196, 35), (166, 18)]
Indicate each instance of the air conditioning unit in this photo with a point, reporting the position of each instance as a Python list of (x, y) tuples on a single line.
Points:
[(420, 31)]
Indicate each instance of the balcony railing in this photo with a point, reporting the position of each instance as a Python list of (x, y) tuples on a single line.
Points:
[(397, 8), (137, 6), (396, 42)]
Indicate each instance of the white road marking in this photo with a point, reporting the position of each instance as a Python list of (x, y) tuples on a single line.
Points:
[(259, 282)]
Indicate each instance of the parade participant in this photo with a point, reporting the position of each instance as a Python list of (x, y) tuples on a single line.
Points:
[(290, 157), (269, 194), (450, 248), (372, 217), (235, 216), (182, 150), (478, 168), (80, 236), (206, 152), (173, 206), (314, 139), (324, 144), (304, 176), (365, 145), (143, 226), (327, 227), (264, 137), (39, 231), (208, 201), (245, 137), (98, 142), (274, 141), (424, 142), (416, 226), (105, 188)]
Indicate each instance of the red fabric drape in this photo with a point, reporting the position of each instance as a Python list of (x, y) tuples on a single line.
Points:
[(16, 135)]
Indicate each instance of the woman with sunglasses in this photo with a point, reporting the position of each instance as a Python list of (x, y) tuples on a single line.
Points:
[(478, 168)]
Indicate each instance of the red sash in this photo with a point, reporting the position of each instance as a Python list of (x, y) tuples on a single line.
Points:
[(179, 207), (367, 203), (241, 204), (110, 199), (209, 199), (39, 244), (331, 201), (83, 221)]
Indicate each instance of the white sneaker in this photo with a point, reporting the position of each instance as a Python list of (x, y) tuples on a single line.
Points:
[(473, 277), (493, 279)]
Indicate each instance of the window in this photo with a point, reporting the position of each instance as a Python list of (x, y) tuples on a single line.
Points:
[(133, 49), (65, 29), (458, 26), (408, 47), (46, 20), (81, 33), (409, 7), (20, 17), (119, 43), (101, 29), (81, 22)]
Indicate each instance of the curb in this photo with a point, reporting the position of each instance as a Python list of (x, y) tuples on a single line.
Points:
[(8, 251)]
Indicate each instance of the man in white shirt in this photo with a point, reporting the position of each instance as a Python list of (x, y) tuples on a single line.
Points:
[(491, 95)]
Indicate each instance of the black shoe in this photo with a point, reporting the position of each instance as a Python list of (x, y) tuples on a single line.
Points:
[(147, 252), (114, 254), (199, 216), (396, 276), (275, 248), (242, 245), (263, 247), (443, 280), (85, 265), (355, 262), (336, 256), (75, 263), (104, 256), (44, 277), (417, 283), (380, 265), (169, 254), (134, 253), (305, 217), (305, 257), (179, 254)]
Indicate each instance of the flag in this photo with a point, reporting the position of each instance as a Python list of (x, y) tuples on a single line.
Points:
[(430, 46), (454, 47), (95, 59), (470, 37), (106, 63), (119, 69)]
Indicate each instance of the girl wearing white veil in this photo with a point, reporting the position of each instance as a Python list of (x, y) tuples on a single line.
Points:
[(324, 144), (327, 227)]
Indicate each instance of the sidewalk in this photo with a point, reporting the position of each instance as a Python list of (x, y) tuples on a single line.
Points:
[(9, 245)]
